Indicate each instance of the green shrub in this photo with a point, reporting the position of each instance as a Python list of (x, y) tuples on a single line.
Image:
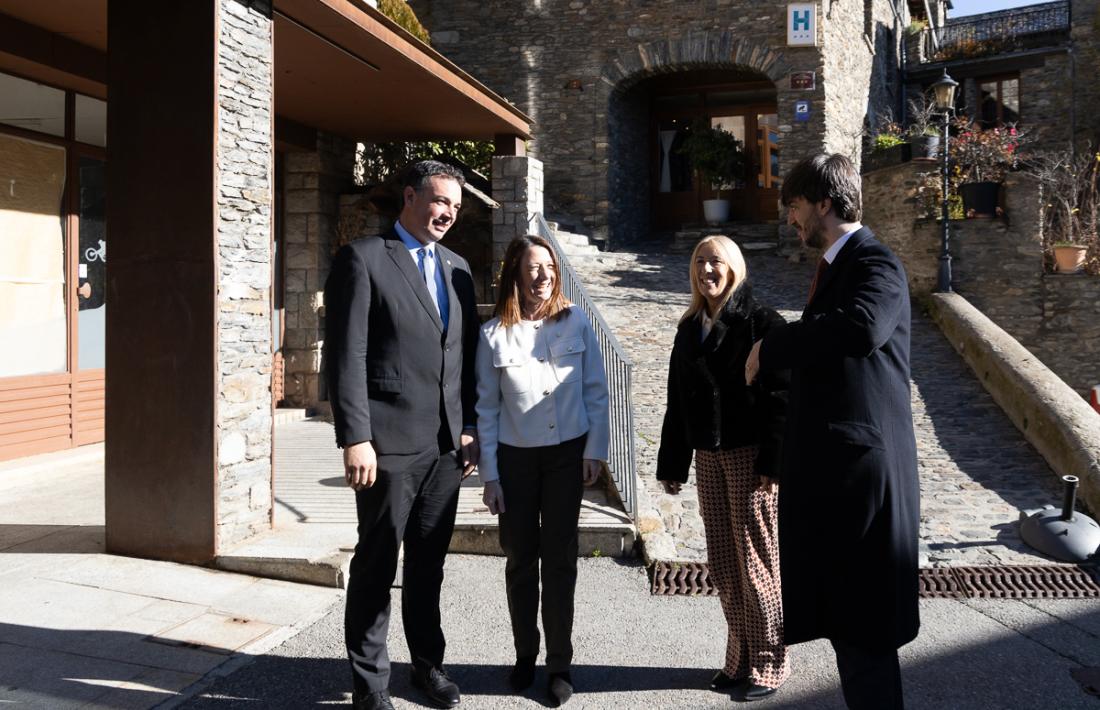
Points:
[(884, 141), (400, 12)]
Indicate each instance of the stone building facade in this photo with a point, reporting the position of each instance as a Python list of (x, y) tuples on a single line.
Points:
[(588, 72), (1086, 52), (998, 265)]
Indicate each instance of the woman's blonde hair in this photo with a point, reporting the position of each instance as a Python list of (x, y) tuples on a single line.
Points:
[(510, 302), (731, 255)]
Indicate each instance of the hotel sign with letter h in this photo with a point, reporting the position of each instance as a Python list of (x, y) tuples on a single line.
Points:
[(802, 25)]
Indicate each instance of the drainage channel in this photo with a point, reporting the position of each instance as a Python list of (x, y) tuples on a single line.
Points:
[(1007, 582)]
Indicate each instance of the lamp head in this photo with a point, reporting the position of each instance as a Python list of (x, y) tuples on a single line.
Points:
[(943, 92)]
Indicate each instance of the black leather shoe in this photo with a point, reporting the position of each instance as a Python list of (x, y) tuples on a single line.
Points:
[(523, 674), (437, 685), (372, 701), (560, 688), (757, 692), (721, 681)]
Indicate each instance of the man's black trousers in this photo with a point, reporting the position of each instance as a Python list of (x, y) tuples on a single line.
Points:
[(413, 499)]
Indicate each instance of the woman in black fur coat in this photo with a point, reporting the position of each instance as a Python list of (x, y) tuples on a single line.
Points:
[(734, 430)]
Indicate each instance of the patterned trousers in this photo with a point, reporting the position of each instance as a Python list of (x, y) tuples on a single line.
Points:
[(743, 558)]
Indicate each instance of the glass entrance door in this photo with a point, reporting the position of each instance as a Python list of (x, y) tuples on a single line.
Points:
[(745, 109)]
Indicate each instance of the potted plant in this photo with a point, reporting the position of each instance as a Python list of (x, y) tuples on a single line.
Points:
[(1070, 192), (981, 158), (924, 134), (719, 159), (888, 147)]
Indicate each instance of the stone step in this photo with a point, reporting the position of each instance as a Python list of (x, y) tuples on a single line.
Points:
[(576, 250), (758, 235), (604, 529)]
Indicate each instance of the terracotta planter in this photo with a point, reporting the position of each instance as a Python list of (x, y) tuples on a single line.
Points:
[(980, 199), (1070, 258)]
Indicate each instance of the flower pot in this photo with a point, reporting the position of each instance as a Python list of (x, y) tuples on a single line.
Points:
[(1070, 258), (925, 147), (716, 211), (980, 199), (884, 158)]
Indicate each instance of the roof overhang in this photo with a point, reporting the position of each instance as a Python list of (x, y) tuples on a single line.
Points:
[(340, 66), (344, 67)]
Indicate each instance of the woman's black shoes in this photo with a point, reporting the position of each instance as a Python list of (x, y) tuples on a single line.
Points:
[(560, 688), (721, 681), (757, 692), (523, 674)]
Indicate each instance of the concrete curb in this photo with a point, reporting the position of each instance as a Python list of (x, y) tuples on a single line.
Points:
[(1061, 426)]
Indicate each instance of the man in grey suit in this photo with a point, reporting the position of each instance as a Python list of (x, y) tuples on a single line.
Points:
[(400, 335), (849, 497)]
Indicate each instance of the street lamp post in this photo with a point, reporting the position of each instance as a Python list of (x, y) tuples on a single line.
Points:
[(944, 97)]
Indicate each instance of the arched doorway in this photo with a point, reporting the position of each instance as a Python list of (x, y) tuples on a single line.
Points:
[(739, 101), (654, 93)]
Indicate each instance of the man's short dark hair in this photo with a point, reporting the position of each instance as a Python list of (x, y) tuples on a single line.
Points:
[(417, 175), (826, 176)]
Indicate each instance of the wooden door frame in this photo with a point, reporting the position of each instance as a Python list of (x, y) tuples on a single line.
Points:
[(749, 110), (82, 389)]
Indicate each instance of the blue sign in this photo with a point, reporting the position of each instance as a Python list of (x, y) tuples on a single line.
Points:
[(802, 110)]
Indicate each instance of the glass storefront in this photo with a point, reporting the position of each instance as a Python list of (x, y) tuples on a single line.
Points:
[(53, 254)]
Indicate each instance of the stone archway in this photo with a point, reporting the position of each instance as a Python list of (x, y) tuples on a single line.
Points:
[(622, 200)]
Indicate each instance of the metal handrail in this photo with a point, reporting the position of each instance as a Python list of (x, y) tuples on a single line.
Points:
[(998, 32), (619, 370)]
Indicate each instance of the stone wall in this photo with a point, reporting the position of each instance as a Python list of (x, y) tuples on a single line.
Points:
[(313, 183), (570, 65), (1069, 335), (518, 187), (997, 266), (1085, 15), (1045, 101), (244, 207)]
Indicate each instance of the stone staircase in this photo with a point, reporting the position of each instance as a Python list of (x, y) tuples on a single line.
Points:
[(574, 245), (750, 236)]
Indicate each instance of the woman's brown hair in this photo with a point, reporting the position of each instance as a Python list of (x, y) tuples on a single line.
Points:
[(509, 306)]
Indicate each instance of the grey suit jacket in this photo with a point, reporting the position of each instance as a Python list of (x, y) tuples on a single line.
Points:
[(392, 371)]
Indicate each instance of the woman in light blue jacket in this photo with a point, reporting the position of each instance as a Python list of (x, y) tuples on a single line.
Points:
[(543, 426)]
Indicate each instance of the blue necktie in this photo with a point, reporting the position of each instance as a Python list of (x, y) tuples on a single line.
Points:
[(427, 270)]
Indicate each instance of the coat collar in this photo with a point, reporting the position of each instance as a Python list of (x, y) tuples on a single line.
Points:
[(843, 257), (737, 309)]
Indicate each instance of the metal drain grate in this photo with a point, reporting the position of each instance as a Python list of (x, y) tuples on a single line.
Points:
[(690, 578), (1024, 582), (1047, 582)]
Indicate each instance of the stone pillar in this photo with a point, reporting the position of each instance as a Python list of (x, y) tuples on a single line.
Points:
[(245, 157), (188, 444), (314, 182), (517, 186)]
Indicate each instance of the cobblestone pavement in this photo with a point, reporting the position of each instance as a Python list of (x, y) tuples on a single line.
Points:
[(977, 471)]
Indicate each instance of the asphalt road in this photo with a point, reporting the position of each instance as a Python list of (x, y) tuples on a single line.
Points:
[(634, 650)]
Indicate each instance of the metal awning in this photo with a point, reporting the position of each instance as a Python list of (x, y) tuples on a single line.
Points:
[(344, 67), (340, 66)]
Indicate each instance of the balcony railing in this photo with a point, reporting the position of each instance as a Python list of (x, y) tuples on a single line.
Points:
[(1001, 32)]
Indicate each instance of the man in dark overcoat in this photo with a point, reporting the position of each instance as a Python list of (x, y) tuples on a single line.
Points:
[(401, 332), (849, 495)]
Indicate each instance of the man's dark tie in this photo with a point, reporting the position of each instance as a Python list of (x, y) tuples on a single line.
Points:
[(821, 266)]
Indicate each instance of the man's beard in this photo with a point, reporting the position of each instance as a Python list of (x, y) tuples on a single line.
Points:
[(814, 230)]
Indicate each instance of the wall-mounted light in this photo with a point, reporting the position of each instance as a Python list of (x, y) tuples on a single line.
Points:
[(574, 84)]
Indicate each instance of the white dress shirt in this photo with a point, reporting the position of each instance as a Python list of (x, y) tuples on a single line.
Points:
[(540, 383), (432, 273), (831, 252)]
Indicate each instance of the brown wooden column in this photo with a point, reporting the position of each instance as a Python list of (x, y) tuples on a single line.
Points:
[(161, 455)]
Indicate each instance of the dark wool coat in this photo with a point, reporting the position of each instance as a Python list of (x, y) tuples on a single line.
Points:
[(848, 494), (709, 407)]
